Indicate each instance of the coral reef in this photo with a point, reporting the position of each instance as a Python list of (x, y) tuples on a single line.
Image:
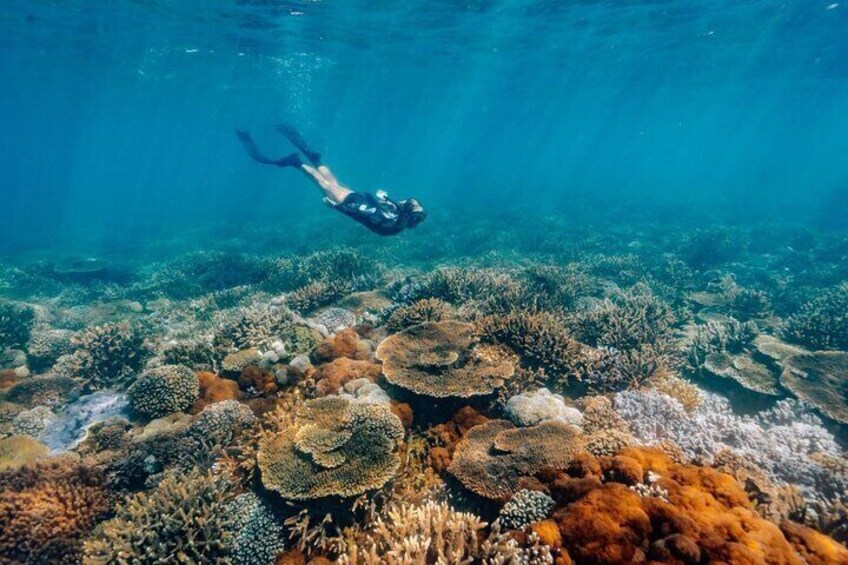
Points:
[(107, 356), (259, 534), (334, 319), (17, 451), (183, 520), (821, 323), (212, 389), (330, 377), (44, 390), (442, 359), (16, 322), (46, 345), (253, 327), (493, 457), (163, 390), (420, 311), (820, 379), (46, 510), (335, 447)]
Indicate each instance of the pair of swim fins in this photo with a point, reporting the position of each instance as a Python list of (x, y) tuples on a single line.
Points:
[(292, 160)]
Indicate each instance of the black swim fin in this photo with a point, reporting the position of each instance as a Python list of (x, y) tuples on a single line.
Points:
[(295, 139), (247, 142)]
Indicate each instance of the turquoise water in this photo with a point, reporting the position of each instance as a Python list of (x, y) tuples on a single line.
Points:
[(117, 117)]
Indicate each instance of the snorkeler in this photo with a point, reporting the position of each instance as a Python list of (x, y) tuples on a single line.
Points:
[(377, 211)]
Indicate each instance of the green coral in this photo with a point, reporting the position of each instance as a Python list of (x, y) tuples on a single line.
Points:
[(164, 390)]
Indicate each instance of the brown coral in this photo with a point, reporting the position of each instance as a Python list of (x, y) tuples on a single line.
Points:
[(820, 378), (492, 458), (330, 377), (214, 389), (48, 509), (343, 344), (256, 380), (420, 311), (336, 447), (442, 359)]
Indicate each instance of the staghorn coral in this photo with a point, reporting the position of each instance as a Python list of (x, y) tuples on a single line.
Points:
[(525, 508), (821, 379), (553, 287), (44, 390), (253, 327), (47, 509), (420, 311), (16, 322), (314, 295), (183, 520), (531, 408), (821, 323), (539, 338), (492, 458), (442, 359), (163, 390), (335, 447), (106, 356)]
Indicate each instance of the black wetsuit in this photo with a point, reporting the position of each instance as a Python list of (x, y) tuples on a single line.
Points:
[(381, 215)]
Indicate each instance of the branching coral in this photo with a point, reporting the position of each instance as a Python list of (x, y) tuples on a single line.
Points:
[(539, 338), (253, 327), (314, 295), (46, 511), (336, 447), (46, 345), (443, 359), (183, 520), (525, 508), (164, 390), (821, 323), (420, 311), (107, 356), (492, 458)]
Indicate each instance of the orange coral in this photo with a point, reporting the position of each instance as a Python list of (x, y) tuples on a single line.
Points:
[(259, 380), (293, 557), (343, 344), (699, 515), (46, 511), (332, 376), (548, 533), (214, 389), (403, 411)]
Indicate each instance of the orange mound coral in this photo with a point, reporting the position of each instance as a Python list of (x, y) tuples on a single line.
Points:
[(492, 458), (332, 376), (644, 507), (258, 381), (48, 509), (214, 389), (448, 434), (343, 344), (443, 359)]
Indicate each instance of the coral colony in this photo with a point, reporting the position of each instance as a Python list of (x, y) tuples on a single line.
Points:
[(674, 402)]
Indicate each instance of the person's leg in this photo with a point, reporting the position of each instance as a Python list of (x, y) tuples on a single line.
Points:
[(295, 139), (332, 190), (247, 142)]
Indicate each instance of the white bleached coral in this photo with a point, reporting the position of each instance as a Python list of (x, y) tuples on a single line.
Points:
[(531, 408)]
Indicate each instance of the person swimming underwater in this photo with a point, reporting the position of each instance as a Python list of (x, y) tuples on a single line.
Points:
[(377, 211)]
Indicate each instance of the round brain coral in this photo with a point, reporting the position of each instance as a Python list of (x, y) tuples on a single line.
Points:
[(336, 447), (164, 390), (442, 359), (493, 457)]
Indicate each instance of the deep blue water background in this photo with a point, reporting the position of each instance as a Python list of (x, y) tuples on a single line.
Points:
[(116, 117)]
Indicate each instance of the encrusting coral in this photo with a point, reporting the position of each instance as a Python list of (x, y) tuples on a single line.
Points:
[(47, 509), (17, 451), (335, 447), (183, 520), (493, 457), (442, 359), (164, 390)]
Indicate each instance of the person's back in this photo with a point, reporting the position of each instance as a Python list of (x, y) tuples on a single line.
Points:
[(377, 212)]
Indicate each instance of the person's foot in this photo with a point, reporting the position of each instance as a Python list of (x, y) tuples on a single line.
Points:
[(295, 139)]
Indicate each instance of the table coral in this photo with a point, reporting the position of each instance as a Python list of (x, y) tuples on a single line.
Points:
[(820, 378), (442, 359), (492, 458), (336, 447), (164, 390)]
